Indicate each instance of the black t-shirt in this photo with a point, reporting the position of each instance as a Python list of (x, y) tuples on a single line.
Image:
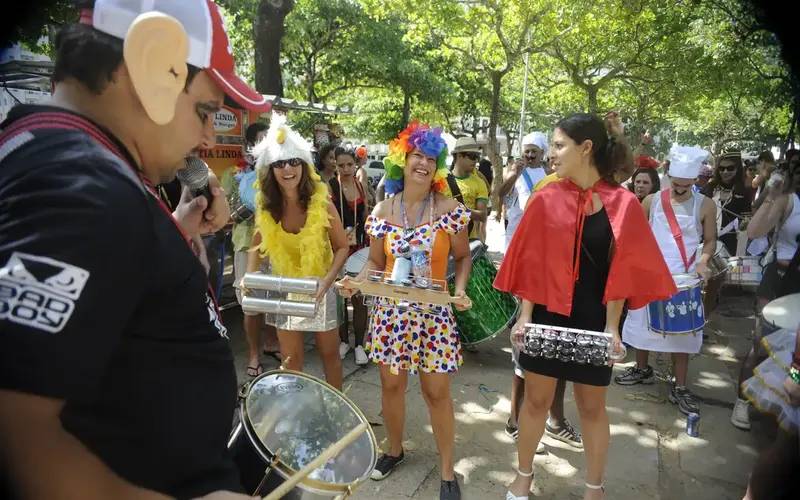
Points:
[(351, 218), (104, 305)]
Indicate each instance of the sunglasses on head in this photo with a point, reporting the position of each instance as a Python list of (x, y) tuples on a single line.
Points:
[(292, 162)]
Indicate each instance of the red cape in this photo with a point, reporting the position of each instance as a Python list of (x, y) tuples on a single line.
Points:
[(539, 267)]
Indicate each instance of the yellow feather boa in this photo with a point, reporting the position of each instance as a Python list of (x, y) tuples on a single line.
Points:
[(302, 255)]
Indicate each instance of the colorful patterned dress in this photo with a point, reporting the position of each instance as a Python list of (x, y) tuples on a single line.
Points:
[(408, 338)]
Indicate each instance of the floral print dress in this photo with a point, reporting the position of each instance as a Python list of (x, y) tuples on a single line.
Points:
[(414, 339)]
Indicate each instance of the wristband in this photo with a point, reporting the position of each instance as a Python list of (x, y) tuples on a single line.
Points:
[(794, 374)]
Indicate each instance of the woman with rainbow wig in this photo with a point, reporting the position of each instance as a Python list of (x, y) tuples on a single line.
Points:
[(417, 338)]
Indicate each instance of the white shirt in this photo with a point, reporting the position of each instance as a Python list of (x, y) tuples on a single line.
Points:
[(517, 199)]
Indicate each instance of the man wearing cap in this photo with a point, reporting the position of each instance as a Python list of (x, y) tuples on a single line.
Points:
[(679, 228), (465, 184), (116, 375), (519, 182)]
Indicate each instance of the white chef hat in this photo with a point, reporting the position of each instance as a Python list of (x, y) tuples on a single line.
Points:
[(537, 139), (685, 161)]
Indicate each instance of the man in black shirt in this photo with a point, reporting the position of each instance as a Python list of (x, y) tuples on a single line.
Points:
[(116, 376)]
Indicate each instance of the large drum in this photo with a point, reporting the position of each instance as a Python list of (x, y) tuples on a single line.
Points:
[(744, 271), (289, 418), (492, 311), (682, 313)]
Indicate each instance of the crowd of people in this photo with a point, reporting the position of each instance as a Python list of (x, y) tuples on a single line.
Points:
[(93, 383)]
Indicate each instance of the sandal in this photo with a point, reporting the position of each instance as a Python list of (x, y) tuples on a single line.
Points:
[(511, 496), (255, 371), (276, 355)]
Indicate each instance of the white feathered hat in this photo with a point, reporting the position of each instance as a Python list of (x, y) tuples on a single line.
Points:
[(282, 143), (685, 161)]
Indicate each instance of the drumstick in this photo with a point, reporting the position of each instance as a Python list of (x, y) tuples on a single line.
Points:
[(323, 457)]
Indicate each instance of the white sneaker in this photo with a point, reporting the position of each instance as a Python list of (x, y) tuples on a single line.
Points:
[(361, 356), (344, 348), (740, 417)]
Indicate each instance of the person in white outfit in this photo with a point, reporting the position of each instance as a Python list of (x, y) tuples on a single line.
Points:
[(694, 218), (519, 181)]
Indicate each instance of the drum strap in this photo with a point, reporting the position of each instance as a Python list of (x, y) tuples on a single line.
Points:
[(666, 204)]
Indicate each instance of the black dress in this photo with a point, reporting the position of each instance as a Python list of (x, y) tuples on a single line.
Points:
[(588, 310)]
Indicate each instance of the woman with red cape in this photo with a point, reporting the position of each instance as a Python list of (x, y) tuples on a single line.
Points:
[(582, 249)]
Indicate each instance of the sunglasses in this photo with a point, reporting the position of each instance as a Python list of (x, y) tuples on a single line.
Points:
[(292, 162), (472, 156), (731, 168)]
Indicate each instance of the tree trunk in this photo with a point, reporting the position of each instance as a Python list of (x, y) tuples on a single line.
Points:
[(790, 134), (268, 32), (494, 117), (591, 94), (406, 116)]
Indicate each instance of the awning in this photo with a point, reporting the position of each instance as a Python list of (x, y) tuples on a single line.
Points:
[(308, 107), (26, 75)]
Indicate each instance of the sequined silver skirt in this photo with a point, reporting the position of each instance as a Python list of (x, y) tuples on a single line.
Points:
[(329, 313)]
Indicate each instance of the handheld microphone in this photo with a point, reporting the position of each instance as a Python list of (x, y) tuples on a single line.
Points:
[(194, 175)]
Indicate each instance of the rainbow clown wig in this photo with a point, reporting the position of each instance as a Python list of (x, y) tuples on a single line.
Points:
[(415, 136)]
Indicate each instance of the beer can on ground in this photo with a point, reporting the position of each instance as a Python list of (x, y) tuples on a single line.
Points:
[(693, 424)]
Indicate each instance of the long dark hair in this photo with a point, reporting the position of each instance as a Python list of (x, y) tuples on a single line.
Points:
[(653, 179), (608, 154), (738, 180), (273, 196), (323, 152)]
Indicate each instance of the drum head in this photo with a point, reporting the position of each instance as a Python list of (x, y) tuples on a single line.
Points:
[(686, 281), (355, 263), (299, 417), (784, 312)]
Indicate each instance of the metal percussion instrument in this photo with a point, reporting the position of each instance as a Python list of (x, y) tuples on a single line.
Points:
[(744, 271), (356, 262), (281, 285), (287, 420), (569, 345), (718, 263), (783, 312)]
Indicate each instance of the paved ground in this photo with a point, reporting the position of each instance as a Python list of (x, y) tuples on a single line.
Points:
[(650, 456)]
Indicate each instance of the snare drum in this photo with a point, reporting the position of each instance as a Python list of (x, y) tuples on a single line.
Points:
[(744, 271), (718, 264), (492, 311), (289, 418), (682, 313)]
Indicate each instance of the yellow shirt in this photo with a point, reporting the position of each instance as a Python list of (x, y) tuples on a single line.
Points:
[(547, 179), (473, 189)]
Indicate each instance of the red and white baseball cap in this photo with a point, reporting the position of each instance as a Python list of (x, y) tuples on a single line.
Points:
[(209, 47)]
